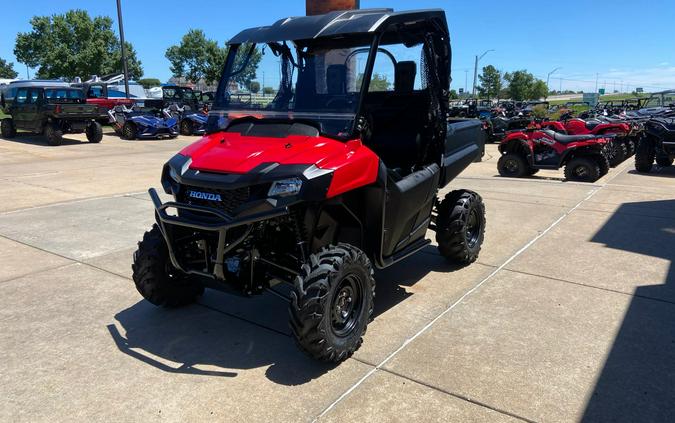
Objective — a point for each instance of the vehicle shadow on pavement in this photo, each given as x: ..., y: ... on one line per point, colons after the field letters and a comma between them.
x: 197, y: 340
x: 393, y: 281
x: 637, y: 382
x: 668, y: 172
x: 41, y: 141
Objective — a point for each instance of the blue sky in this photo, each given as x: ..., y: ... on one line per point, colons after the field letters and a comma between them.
x: 626, y: 43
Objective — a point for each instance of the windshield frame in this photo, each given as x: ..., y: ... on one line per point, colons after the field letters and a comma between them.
x: 220, y: 109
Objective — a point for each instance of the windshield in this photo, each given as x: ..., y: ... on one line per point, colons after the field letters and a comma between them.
x: 660, y: 100
x: 317, y: 82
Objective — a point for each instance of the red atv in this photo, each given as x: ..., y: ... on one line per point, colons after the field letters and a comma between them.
x: 619, y: 149
x: 525, y: 152
x: 322, y: 182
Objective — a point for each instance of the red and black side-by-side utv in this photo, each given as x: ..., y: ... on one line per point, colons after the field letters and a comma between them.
x: 524, y: 153
x: 330, y: 178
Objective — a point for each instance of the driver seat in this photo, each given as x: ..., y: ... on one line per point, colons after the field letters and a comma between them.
x: 566, y: 139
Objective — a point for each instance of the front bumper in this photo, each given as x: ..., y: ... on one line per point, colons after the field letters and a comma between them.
x: 219, y: 223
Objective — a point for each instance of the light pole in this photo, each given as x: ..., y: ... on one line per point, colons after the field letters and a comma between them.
x: 475, y: 71
x: 124, y: 53
x: 548, y: 77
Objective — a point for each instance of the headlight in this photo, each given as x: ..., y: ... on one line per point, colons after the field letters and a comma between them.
x: 285, y: 187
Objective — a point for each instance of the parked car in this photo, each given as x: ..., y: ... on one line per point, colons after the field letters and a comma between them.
x: 324, y: 183
x: 53, y: 112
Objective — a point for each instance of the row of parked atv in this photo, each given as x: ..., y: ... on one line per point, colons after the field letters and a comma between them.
x: 153, y: 123
x: 587, y: 149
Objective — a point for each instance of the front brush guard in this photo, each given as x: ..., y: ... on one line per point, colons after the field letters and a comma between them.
x: 221, y: 224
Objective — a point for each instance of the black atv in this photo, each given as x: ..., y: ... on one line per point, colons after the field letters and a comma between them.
x: 656, y: 144
x: 328, y: 180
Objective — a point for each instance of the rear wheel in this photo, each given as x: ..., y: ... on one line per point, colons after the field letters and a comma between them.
x: 460, y: 226
x: 332, y: 303
x: 582, y: 169
x: 129, y: 131
x: 512, y: 165
x: 186, y: 127
x: 155, y: 277
x: 645, y: 153
x: 7, y: 128
x: 94, y: 132
x: 53, y: 134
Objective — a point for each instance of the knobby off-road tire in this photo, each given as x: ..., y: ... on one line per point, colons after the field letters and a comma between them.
x: 155, y: 277
x: 645, y: 153
x: 53, y: 135
x: 583, y: 169
x: 332, y: 303
x: 186, y: 127
x: 94, y: 132
x: 619, y: 152
x: 129, y: 131
x: 603, y: 164
x: 460, y: 226
x: 512, y: 165
x: 7, y: 128
x: 630, y: 147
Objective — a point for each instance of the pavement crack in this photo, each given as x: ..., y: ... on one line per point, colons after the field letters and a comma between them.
x: 460, y: 396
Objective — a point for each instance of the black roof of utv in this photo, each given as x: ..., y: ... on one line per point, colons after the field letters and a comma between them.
x: 337, y: 23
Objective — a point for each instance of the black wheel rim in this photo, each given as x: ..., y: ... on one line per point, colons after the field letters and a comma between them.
x: 581, y: 171
x: 511, y: 166
x: 186, y: 128
x: 473, y: 228
x: 346, y: 305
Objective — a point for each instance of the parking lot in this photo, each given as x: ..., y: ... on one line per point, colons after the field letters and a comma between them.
x: 567, y: 315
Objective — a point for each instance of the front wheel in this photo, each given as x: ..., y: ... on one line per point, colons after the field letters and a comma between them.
x: 645, y: 153
x: 582, y: 169
x: 155, y: 277
x: 54, y: 135
x: 332, y: 303
x: 94, y: 132
x: 460, y: 226
x: 7, y: 128
x: 512, y: 165
x: 618, y: 152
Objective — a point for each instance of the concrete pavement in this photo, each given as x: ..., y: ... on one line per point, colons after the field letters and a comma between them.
x: 567, y: 316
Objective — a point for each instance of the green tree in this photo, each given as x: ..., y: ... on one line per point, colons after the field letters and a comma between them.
x: 149, y: 82
x: 255, y: 87
x: 7, y: 70
x: 524, y: 86
x: 74, y: 44
x: 377, y: 83
x: 268, y: 90
x: 197, y: 57
x: 538, y: 90
x: 190, y: 58
x: 490, y: 82
x: 453, y: 95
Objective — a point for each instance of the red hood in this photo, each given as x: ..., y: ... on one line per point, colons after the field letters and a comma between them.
x: 353, y: 164
x: 233, y: 153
